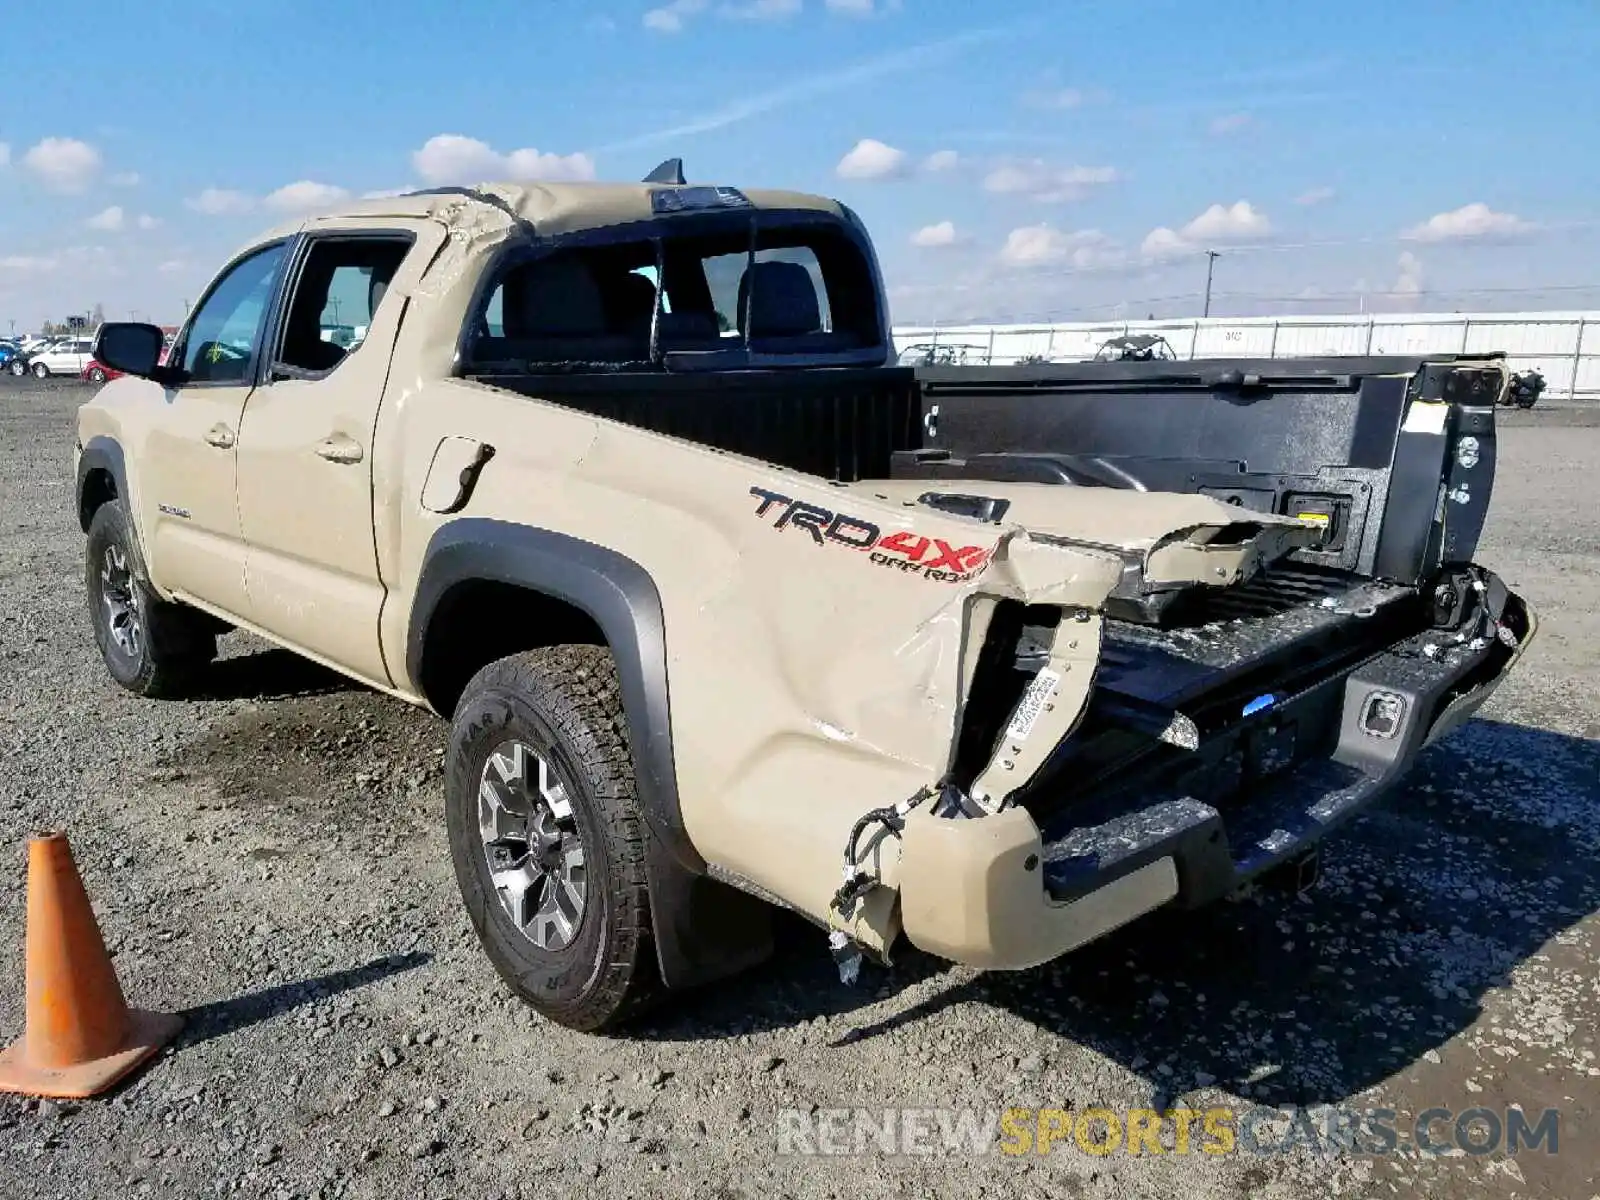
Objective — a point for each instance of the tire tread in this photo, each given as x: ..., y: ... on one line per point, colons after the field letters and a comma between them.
x: 578, y: 691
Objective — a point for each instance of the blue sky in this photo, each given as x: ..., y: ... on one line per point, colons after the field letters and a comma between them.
x: 1014, y: 161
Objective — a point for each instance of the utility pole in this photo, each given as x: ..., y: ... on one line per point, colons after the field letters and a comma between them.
x: 1211, y: 261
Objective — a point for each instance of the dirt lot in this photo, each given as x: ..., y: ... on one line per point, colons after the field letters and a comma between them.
x: 271, y: 860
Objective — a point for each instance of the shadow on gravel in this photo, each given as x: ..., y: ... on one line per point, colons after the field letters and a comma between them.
x: 1483, y: 856
x: 270, y: 675
x: 223, y: 1017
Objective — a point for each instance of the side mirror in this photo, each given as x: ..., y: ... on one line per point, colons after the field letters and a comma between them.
x: 130, y: 347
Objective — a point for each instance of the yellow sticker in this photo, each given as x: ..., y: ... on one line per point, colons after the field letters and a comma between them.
x: 1317, y: 518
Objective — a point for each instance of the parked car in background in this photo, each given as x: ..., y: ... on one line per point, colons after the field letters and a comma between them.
x: 70, y: 356
x: 25, y: 351
x: 8, y: 351
x: 98, y: 372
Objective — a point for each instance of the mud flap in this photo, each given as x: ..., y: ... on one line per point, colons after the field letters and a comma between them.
x: 705, y: 929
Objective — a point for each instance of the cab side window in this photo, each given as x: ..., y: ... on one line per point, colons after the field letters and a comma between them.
x: 336, y: 295
x: 223, y: 337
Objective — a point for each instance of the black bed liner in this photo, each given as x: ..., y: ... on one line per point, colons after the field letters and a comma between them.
x: 1328, y: 436
x: 842, y: 424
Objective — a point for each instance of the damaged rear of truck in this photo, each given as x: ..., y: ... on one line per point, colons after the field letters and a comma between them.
x: 1265, y: 659
x: 995, y: 660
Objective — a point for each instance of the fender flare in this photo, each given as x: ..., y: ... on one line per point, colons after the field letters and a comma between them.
x: 704, y: 929
x: 102, y: 453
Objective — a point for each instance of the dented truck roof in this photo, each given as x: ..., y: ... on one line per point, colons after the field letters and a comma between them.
x: 558, y: 208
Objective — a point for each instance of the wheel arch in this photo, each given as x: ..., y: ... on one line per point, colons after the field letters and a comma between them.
x: 102, y: 477
x: 704, y: 929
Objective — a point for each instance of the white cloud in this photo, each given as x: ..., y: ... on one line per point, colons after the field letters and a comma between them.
x: 1469, y: 221
x: 1063, y: 98
x: 860, y: 8
x: 872, y: 159
x: 1055, y: 98
x: 110, y: 219
x: 673, y: 16
x: 942, y: 233
x: 27, y: 264
x: 762, y: 10
x: 1221, y: 223
x: 1316, y: 195
x: 217, y: 202
x: 305, y: 195
x: 114, y: 219
x: 1230, y: 123
x: 669, y: 18
x: 942, y: 160
x: 5, y: 155
x: 1409, y: 285
x: 1236, y: 222
x: 1038, y: 180
x: 172, y: 266
x: 1044, y: 245
x: 1162, y: 242
x: 125, y: 179
x: 63, y: 164
x: 451, y: 158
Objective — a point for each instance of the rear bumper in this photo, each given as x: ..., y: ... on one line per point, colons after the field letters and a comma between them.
x: 995, y: 892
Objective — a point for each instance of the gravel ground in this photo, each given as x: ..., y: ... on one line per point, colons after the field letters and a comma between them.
x: 270, y: 859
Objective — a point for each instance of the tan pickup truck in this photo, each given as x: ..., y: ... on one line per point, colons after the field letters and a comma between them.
x: 622, y: 480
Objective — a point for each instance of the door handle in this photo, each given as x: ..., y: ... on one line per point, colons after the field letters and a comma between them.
x: 340, y: 449
x: 220, y: 436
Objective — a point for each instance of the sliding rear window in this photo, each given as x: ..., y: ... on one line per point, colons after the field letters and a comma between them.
x: 683, y: 292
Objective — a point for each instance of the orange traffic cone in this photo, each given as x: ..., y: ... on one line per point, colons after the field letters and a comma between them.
x: 81, y: 1035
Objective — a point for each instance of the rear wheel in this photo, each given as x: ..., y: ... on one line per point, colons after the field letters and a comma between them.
x: 546, y: 837
x: 97, y: 375
x: 18, y: 367
x: 150, y: 646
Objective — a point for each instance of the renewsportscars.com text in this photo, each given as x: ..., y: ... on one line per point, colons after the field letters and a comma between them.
x: 1216, y: 1130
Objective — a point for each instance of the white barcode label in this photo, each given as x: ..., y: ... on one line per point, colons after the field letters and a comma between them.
x: 1425, y: 417
x: 1039, y: 694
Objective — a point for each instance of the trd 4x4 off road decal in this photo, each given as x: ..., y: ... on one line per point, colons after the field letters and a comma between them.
x: 932, y: 558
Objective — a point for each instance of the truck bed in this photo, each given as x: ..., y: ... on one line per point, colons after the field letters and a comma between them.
x: 1339, y: 438
x: 842, y: 424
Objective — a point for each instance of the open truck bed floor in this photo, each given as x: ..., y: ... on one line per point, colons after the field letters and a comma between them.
x: 1288, y: 729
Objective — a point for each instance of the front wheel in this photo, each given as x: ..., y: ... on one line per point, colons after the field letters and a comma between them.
x: 546, y: 837
x: 18, y: 367
x: 40, y: 371
x: 150, y: 646
x: 97, y: 375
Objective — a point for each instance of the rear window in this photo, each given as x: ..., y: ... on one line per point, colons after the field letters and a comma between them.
x: 681, y: 294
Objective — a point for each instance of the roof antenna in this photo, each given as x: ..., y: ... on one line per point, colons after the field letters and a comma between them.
x: 670, y: 171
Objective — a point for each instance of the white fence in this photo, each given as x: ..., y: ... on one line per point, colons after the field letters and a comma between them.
x: 1563, y: 347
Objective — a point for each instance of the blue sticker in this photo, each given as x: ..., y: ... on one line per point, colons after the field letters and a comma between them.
x: 1259, y: 703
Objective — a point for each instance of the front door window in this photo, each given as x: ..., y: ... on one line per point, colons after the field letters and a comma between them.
x: 225, y: 333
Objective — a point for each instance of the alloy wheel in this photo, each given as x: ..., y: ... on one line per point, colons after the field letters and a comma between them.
x: 120, y: 601
x: 532, y: 845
